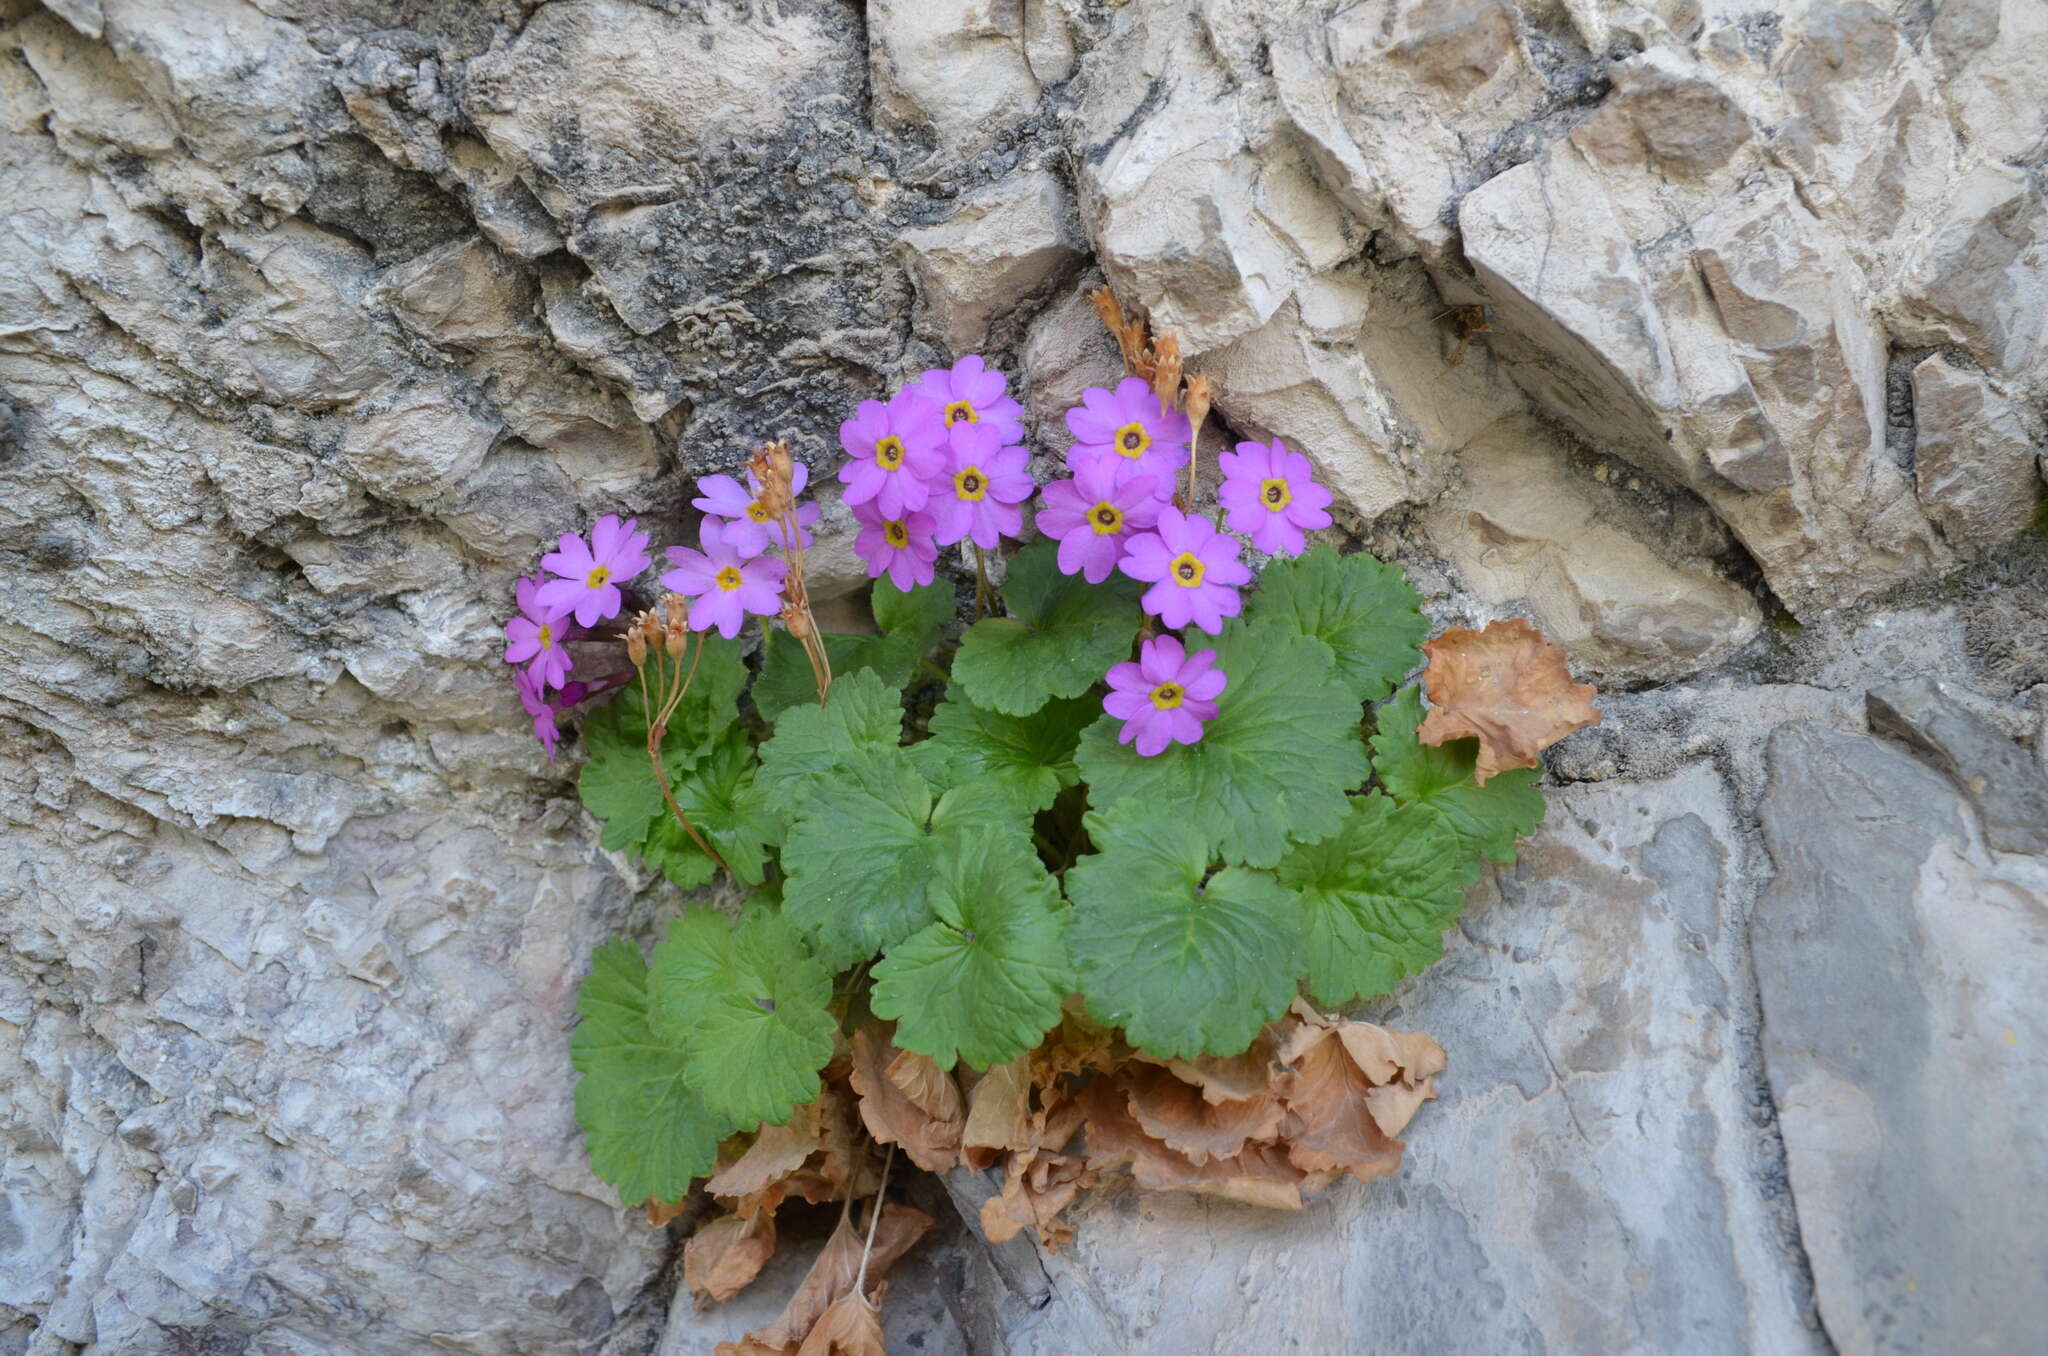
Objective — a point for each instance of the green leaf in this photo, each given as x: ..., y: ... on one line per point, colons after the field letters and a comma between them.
x: 909, y: 623
x: 1437, y: 782
x: 647, y: 1130
x: 1366, y: 611
x: 1185, y: 967
x: 1028, y: 758
x: 1377, y: 897
x: 1274, y: 765
x: 720, y: 797
x: 863, y: 713
x: 857, y: 857
x: 1061, y: 636
x: 749, y: 1006
x: 617, y: 782
x: 984, y: 982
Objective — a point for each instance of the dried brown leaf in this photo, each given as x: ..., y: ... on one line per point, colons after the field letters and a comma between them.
x: 723, y: 1258
x: 1231, y: 1078
x: 777, y: 1151
x: 849, y: 1327
x: 1505, y: 686
x: 893, y: 1115
x: 660, y: 1213
x: 1079, y: 1044
x: 1259, y: 1174
x: 1034, y: 1193
x: 1333, y: 1126
x: 831, y: 1276
x: 1177, y: 1115
x: 998, y: 1113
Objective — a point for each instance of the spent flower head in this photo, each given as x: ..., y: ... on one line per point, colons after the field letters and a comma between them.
x: 1131, y: 430
x: 1166, y: 697
x: 752, y: 518
x: 589, y: 573
x: 534, y: 698
x: 971, y: 392
x: 903, y: 548
x: 539, y: 637
x: 725, y: 584
x: 896, y: 449
x: 1093, y: 517
x: 1193, y: 569
x: 978, y: 493
x: 1270, y: 495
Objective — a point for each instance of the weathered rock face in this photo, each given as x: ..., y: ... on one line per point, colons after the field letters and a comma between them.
x: 318, y: 318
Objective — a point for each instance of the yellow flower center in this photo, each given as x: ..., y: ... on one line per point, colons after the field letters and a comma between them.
x: 961, y: 412
x: 729, y: 578
x: 1106, y: 518
x: 1187, y: 571
x: 758, y: 511
x: 1167, y: 696
x: 599, y: 577
x: 1275, y: 495
x: 971, y: 484
x: 547, y: 636
x: 1132, y: 440
x: 889, y: 453
x: 896, y: 534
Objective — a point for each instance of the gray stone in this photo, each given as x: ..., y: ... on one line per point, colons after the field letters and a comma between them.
x: 956, y: 73
x: 1898, y: 963
x: 2009, y: 793
x: 1005, y: 244
x: 1973, y: 458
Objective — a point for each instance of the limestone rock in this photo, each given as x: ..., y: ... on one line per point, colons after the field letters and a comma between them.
x: 2008, y: 792
x: 416, y: 443
x: 1973, y: 458
x: 956, y: 72
x: 1898, y: 961
x: 996, y: 249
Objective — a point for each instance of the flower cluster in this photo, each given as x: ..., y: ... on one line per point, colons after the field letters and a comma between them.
x: 940, y: 462
x: 579, y: 586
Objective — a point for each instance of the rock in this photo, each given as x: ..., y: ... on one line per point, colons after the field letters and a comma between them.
x: 1525, y: 528
x: 1597, y: 1021
x: 956, y: 73
x: 2008, y: 792
x: 463, y: 295
x: 414, y: 444
x: 1066, y: 351
x: 1896, y: 960
x: 1981, y: 280
x: 1973, y: 458
x: 998, y: 248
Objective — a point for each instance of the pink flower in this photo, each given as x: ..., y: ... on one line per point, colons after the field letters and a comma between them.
x: 1165, y: 697
x: 895, y: 448
x: 1194, y: 569
x: 1094, y: 517
x: 749, y: 528
x: 903, y: 547
x: 968, y: 392
x: 723, y: 583
x: 537, y: 636
x: 1270, y: 495
x: 1130, y: 428
x: 978, y: 493
x: 590, y: 575
x: 532, y: 697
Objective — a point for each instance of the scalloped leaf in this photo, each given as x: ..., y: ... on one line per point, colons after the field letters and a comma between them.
x: 720, y: 797
x: 1273, y: 767
x: 1364, y: 609
x: 863, y: 714
x: 983, y: 982
x: 647, y: 1131
x: 1377, y: 896
x: 617, y: 782
x: 1061, y: 636
x: 1028, y: 758
x: 909, y: 625
x: 1186, y: 966
x: 1438, y: 782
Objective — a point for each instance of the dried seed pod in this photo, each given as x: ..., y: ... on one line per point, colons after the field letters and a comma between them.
x: 636, y: 647
x: 1166, y: 375
x: 1198, y: 396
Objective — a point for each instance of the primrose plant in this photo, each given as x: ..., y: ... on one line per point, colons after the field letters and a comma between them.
x: 1132, y: 787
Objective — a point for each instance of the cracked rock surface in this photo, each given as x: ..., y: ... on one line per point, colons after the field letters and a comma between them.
x: 1708, y: 336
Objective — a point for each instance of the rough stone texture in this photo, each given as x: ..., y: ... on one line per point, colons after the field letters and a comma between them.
x: 318, y: 318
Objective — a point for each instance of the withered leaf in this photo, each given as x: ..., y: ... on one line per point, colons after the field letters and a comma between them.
x: 998, y: 1113
x: 1259, y: 1174
x: 1034, y: 1193
x: 850, y: 1327
x: 1327, y: 1093
x: 1176, y: 1114
x: 1506, y: 686
x: 724, y: 1256
x: 777, y: 1151
x: 1231, y: 1078
x: 831, y: 1277
x: 893, y: 1115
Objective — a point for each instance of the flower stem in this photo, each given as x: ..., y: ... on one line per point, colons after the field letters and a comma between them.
x: 657, y: 734
x: 860, y: 1280
x: 982, y: 603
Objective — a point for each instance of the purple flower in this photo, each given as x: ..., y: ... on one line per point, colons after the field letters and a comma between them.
x: 723, y: 583
x: 978, y: 493
x: 534, y: 699
x: 1165, y: 697
x: 969, y: 393
x: 1094, y: 517
x: 590, y: 575
x: 903, y: 547
x: 1131, y: 429
x: 1194, y: 571
x: 1270, y: 495
x: 895, y: 448
x: 749, y: 528
x: 538, y: 636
